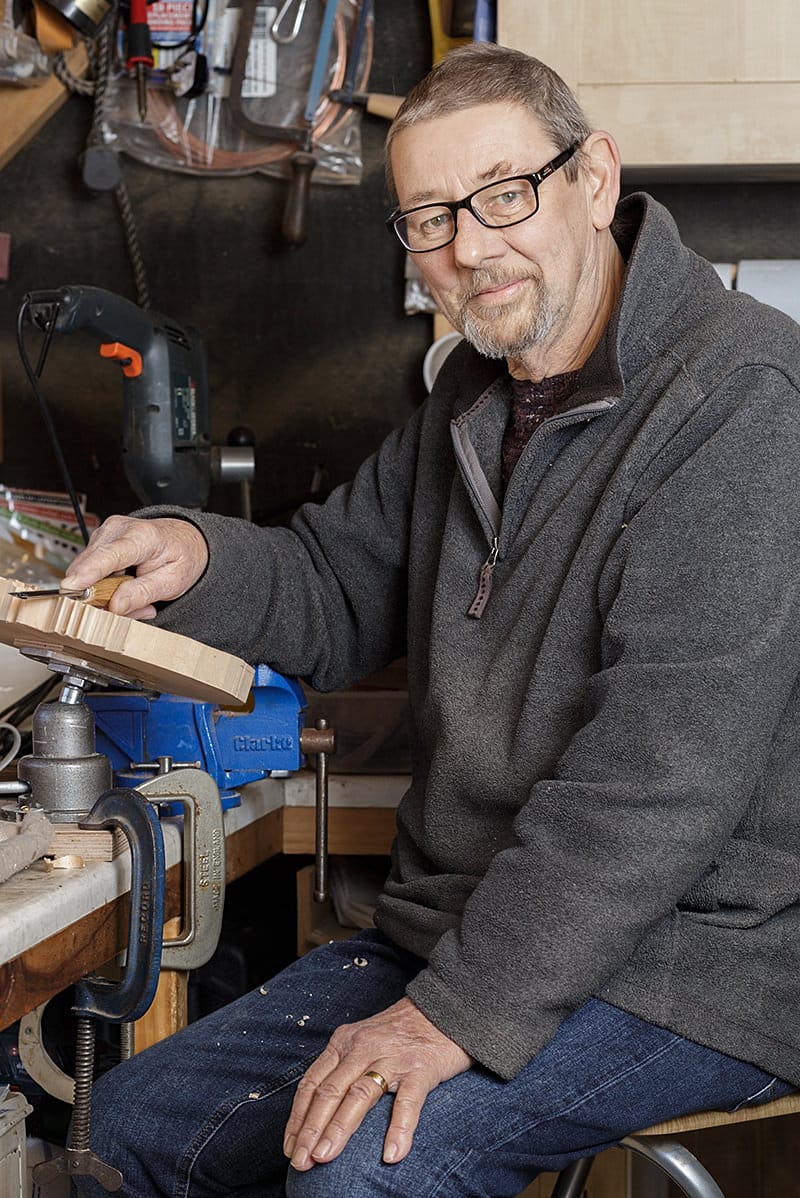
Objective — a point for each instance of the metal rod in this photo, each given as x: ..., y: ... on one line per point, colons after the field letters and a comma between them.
x: 14, y: 788
x: 321, y: 838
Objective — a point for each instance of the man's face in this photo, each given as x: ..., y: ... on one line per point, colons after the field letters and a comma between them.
x: 513, y: 290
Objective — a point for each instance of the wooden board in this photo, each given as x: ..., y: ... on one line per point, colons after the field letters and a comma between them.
x: 121, y: 649
x: 354, y: 830
x: 711, y: 84
x: 91, y: 845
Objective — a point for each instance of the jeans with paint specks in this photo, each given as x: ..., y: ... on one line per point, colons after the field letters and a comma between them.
x: 203, y: 1112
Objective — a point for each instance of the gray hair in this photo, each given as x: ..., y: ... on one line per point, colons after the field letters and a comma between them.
x: 483, y: 73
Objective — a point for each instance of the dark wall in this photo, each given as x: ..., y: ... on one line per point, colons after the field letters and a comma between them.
x: 310, y: 347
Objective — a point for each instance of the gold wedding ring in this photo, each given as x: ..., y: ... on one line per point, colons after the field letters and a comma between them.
x: 378, y: 1079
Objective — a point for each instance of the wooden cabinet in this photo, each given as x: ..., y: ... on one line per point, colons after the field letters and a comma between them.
x: 689, y: 88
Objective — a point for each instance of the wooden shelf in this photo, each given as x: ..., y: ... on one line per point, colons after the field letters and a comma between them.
x: 23, y: 110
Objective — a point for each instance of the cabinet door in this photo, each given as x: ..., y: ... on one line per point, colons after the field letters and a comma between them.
x: 685, y: 86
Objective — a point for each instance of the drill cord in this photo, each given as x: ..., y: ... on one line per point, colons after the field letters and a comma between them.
x: 33, y: 379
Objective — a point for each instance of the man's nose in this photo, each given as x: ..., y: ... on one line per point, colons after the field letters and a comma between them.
x: 474, y: 242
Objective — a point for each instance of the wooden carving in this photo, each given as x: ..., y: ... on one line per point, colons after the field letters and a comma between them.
x: 121, y: 649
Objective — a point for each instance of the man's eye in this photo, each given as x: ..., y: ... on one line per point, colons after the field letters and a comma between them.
x: 508, y: 197
x: 435, y: 224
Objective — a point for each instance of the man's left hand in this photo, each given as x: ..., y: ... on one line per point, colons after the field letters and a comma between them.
x: 402, y: 1046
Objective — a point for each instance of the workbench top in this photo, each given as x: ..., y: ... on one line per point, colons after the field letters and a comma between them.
x: 344, y: 790
x: 41, y: 901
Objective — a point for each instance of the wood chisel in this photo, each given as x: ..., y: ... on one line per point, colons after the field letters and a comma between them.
x: 97, y: 595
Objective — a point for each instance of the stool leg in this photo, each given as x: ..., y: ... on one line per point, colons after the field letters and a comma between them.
x: 570, y: 1181
x: 677, y: 1162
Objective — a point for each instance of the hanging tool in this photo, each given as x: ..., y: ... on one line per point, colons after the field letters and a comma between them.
x: 140, y: 60
x: 344, y: 94
x: 295, y: 215
x: 97, y: 595
x: 284, y: 39
x: 375, y: 103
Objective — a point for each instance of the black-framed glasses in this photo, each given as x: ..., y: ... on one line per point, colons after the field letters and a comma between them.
x: 496, y: 205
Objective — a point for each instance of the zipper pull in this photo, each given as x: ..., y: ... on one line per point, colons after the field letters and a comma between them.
x: 478, y: 605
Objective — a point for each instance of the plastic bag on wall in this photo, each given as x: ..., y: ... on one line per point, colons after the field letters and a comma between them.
x: 204, y: 134
x: 22, y: 61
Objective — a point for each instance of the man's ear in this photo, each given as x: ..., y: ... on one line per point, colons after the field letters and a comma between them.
x: 601, y: 169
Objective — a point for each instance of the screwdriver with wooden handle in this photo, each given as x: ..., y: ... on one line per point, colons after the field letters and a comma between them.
x: 97, y: 595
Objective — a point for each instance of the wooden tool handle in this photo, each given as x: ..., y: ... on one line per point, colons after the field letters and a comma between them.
x: 379, y: 104
x: 295, y: 214
x: 100, y: 594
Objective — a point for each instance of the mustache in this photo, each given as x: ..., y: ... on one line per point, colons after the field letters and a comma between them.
x: 484, y: 279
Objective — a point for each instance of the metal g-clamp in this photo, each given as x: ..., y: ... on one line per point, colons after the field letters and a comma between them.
x: 203, y: 863
x: 128, y: 999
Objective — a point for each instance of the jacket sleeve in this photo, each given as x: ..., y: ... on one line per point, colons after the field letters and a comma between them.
x: 699, y: 656
x: 324, y: 599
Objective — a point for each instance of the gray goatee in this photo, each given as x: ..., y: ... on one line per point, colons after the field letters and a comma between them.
x: 480, y: 327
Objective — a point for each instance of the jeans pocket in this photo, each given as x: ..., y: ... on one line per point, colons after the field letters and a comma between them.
x: 776, y: 1087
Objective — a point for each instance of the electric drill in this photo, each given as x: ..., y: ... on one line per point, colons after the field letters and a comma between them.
x: 167, y: 453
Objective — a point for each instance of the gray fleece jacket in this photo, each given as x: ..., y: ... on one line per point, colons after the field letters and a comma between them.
x: 606, y: 752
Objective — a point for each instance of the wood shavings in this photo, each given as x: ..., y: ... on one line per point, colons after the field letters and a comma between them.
x: 21, y: 844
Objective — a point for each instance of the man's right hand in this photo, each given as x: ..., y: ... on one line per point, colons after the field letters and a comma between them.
x: 169, y: 555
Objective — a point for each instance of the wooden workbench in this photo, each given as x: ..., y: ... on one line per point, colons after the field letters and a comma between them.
x: 58, y: 925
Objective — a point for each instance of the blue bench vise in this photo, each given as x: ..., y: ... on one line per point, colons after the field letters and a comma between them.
x: 137, y: 730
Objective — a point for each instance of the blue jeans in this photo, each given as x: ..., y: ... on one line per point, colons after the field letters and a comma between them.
x: 203, y: 1112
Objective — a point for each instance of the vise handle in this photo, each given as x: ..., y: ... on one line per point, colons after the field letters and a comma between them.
x: 319, y: 742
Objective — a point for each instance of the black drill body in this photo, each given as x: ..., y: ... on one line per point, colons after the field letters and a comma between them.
x: 166, y: 440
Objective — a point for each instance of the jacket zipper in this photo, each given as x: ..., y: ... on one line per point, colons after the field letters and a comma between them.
x: 483, y: 593
x: 478, y: 605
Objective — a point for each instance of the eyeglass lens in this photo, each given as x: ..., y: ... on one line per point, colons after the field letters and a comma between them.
x: 506, y: 202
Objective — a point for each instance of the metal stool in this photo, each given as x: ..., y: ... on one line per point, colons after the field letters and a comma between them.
x: 658, y: 1145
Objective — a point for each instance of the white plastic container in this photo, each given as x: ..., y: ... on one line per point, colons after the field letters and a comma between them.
x: 436, y: 355
x: 13, y: 1162
x: 18, y: 675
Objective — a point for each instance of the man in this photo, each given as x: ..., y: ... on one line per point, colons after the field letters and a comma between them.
x: 586, y: 544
